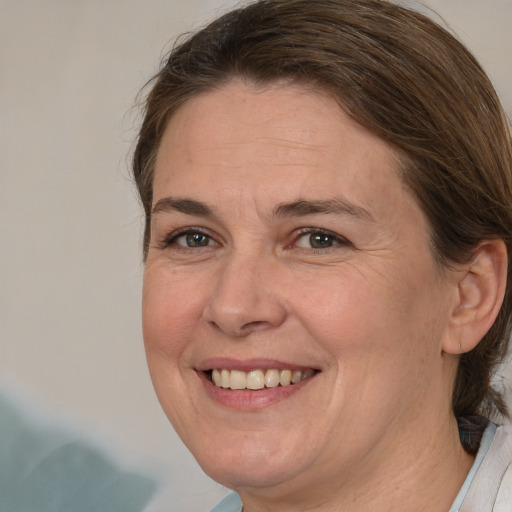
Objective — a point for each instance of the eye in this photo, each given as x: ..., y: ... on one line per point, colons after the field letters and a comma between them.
x: 189, y: 239
x: 319, y: 239
x: 193, y: 240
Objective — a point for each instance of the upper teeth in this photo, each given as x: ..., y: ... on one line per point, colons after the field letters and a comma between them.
x: 258, y: 379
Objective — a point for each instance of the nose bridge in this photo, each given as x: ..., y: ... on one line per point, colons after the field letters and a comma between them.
x: 244, y: 298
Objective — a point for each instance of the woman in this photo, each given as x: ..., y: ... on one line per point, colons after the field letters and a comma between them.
x: 328, y: 195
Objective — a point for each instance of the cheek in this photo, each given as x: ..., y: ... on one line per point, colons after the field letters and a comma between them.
x: 385, y: 338
x: 170, y: 310
x: 369, y: 317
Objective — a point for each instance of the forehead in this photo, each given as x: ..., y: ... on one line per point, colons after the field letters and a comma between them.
x: 260, y: 146
x: 241, y: 127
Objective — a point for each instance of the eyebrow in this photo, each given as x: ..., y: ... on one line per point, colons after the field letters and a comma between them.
x: 299, y: 208
x: 187, y: 206
x: 338, y: 206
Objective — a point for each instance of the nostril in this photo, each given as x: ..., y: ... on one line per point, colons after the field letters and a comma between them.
x: 240, y: 330
x: 255, y: 325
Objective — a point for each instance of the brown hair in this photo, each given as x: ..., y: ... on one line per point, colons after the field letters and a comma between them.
x: 407, y: 80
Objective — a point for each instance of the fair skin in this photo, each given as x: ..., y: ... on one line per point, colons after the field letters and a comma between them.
x: 283, y: 239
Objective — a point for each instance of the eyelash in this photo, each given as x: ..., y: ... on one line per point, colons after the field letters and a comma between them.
x: 334, y: 239
x: 183, y: 232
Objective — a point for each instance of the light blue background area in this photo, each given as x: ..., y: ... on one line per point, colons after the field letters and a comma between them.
x: 45, y: 467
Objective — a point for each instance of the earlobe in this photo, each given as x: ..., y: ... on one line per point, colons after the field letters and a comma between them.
x: 480, y: 293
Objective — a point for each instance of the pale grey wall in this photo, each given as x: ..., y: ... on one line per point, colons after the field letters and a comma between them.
x: 70, y: 224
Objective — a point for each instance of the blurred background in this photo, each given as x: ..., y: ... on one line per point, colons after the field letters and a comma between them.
x: 70, y: 253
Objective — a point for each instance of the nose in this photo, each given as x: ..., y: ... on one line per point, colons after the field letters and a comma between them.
x: 246, y: 297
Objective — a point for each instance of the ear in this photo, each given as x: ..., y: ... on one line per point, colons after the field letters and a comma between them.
x: 480, y: 292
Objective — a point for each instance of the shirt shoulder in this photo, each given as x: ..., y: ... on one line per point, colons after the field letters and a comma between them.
x: 491, y: 489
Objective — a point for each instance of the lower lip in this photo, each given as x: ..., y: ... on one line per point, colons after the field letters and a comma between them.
x: 249, y: 400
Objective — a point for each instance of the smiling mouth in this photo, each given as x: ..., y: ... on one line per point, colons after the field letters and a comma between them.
x: 257, y: 379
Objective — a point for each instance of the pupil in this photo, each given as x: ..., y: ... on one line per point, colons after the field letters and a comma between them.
x: 197, y: 240
x: 319, y: 241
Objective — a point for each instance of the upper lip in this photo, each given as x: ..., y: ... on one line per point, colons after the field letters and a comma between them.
x: 247, y: 365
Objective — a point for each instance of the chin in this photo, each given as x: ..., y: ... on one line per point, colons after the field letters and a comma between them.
x: 253, y: 463
x: 247, y: 473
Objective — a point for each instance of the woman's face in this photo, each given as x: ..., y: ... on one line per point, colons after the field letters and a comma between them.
x: 284, y: 245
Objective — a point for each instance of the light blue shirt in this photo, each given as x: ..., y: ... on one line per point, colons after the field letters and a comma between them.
x: 485, y: 443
